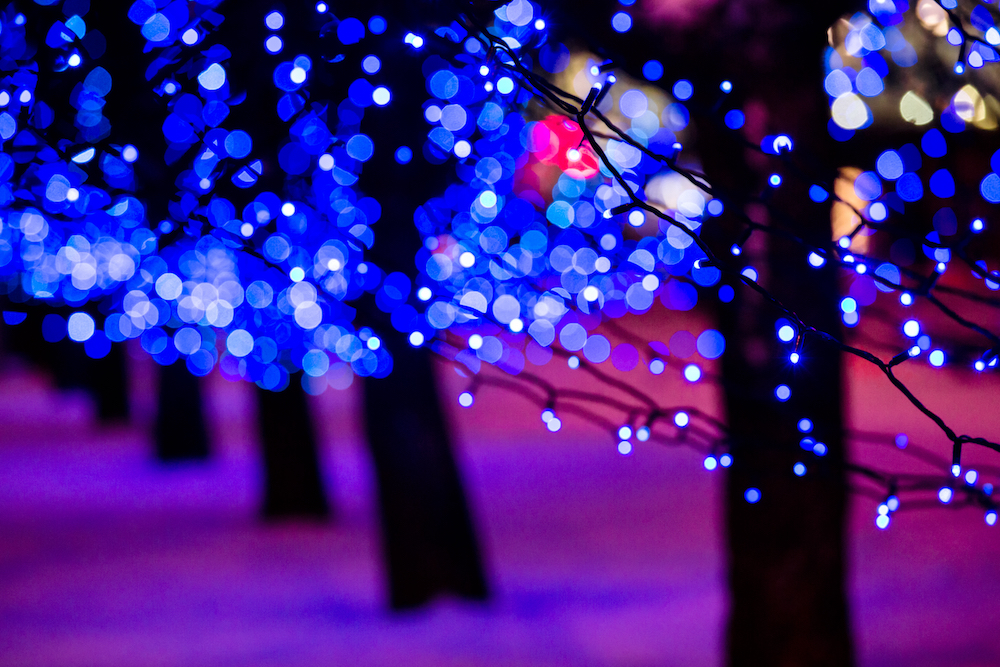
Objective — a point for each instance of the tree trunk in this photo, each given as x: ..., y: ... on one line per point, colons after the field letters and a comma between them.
x: 179, y: 433
x: 293, y: 485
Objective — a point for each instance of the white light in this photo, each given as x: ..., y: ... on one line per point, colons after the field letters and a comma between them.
x: 298, y: 75
x: 636, y: 218
x: 624, y: 448
x: 971, y: 477
x: 72, y: 194
x: 991, y: 518
x: 80, y: 327
x: 945, y: 494
x: 553, y: 424
x: 882, y: 521
x: 467, y: 259
x: 475, y: 341
x: 416, y: 339
x: 816, y: 260
x: 692, y: 373
x: 374, y: 343
x: 591, y: 293
x: 573, y: 155
x: 274, y: 20
x: 334, y: 264
x: 326, y: 162
x: 625, y: 432
x: 786, y: 333
x: 273, y: 44
x: 906, y: 299
x: 650, y: 283
x: 246, y: 229
x: 25, y: 96
x: 297, y: 274
x: 711, y: 463
x: 321, y: 7
x: 516, y: 325
x: 381, y: 96
x: 911, y: 328
x: 130, y: 153
x: 190, y: 36
x: 681, y: 419
x: 465, y: 399
x: 424, y: 294
x: 463, y: 148
x: 74, y: 60
x: 794, y: 357
x: 539, y: 24
x: 288, y: 209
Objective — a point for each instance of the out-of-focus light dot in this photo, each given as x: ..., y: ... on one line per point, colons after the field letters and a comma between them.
x: 373, y: 343
x: 321, y: 8
x: 650, y: 283
x: 936, y: 358
x: 273, y: 44
x: 463, y: 148
x: 816, y: 260
x: 404, y: 154
x: 642, y: 434
x: 656, y: 366
x: 945, y: 494
x: 805, y: 425
x: 80, y: 327
x: 882, y: 521
x: 978, y: 225
x: 573, y: 362
x: 72, y: 194
x: 288, y: 209
x: 625, y: 432
x: 488, y: 86
x: 799, y: 469
x: 591, y: 293
x: 636, y: 218
x: 547, y: 414
x: 553, y: 424
x: 851, y: 319
x: 334, y: 264
x: 752, y: 495
x: 274, y: 20
x: 505, y: 85
x: 819, y: 449
x: 786, y: 333
x: 848, y: 305
x: 240, y: 343
x: 467, y: 259
x: 775, y: 180
x: 424, y: 294
x: 911, y: 328
x: 516, y: 325
x: 736, y: 250
x: 794, y: 357
x: 980, y: 365
x: 539, y: 24
x: 906, y: 299
x: 692, y: 373
x: 624, y: 448
x: 914, y: 351
x: 416, y: 41
x: 749, y: 273
x: 861, y: 269
x: 326, y: 162
x: 74, y: 60
x: 297, y: 75
x: 381, y: 96
x: 683, y: 90
x: 297, y: 274
x: 190, y: 36
x: 726, y: 86
x: 170, y: 87
x: 475, y: 341
x: 725, y: 460
x: 484, y: 70
x: 877, y: 211
x: 782, y: 143
x: 205, y: 184
x: 844, y: 242
x: 711, y: 463
x: 956, y: 470
x: 573, y: 155
x: 465, y: 399
x: 681, y: 419
x: 488, y: 198
x: 991, y: 518
x: 130, y: 153
x: 25, y: 96
x: 246, y: 229
x: 621, y: 22
x: 971, y: 476
x: 783, y: 392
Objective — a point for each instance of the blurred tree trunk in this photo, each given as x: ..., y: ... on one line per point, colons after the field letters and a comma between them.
x: 293, y: 484
x: 179, y: 432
